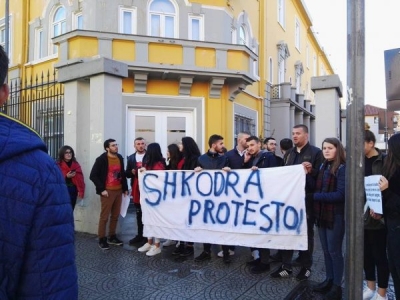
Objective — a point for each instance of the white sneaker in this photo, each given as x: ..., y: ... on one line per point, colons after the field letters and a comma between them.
x: 255, y: 254
x: 153, y: 251
x: 146, y: 247
x: 379, y: 297
x: 368, y: 293
x: 168, y: 243
x: 221, y: 253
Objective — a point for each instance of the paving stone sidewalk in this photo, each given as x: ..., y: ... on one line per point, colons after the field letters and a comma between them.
x: 124, y: 273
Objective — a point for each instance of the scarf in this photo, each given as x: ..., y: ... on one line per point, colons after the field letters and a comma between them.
x: 326, y: 182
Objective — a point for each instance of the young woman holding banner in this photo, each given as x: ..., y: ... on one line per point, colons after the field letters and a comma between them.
x: 329, y: 202
x: 152, y: 160
x: 390, y: 187
x: 191, y: 153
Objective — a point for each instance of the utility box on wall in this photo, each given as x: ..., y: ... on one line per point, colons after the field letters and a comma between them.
x: 392, y: 78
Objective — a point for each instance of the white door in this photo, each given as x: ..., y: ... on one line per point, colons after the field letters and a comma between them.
x: 161, y: 126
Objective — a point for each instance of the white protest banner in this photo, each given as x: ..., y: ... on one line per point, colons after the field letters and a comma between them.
x: 373, y: 193
x: 263, y: 208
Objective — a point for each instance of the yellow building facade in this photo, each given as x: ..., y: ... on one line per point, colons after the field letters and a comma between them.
x: 164, y: 69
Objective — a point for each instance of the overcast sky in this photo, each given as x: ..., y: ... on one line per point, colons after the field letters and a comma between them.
x: 382, y: 32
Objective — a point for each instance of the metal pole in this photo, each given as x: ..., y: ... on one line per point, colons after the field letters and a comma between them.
x: 355, y: 149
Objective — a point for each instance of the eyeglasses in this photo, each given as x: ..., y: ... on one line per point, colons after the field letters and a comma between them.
x: 114, y: 145
x: 68, y: 152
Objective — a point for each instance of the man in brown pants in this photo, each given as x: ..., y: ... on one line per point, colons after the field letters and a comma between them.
x: 109, y: 178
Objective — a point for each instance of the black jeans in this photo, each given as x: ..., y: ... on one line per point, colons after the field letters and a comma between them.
x: 306, y: 255
x: 393, y: 249
x: 207, y: 248
x: 375, y: 257
x: 139, y: 219
x: 73, y: 194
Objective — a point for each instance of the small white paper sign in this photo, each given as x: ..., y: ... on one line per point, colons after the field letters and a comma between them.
x: 373, y: 193
x: 124, y: 205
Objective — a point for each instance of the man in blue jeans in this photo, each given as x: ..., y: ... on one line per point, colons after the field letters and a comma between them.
x: 311, y: 158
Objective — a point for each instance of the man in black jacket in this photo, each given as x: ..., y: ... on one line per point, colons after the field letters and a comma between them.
x: 311, y: 158
x: 214, y: 159
x: 109, y: 178
x: 256, y: 158
x: 133, y: 165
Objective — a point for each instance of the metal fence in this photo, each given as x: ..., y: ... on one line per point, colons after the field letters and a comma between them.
x: 39, y: 103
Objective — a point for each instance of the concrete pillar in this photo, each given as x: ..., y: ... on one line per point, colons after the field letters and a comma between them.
x: 299, y: 118
x: 280, y: 110
x: 328, y: 90
x: 292, y: 118
x: 312, y: 133
x: 92, y: 114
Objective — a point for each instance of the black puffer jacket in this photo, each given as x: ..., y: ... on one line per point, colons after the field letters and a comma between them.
x: 212, y: 161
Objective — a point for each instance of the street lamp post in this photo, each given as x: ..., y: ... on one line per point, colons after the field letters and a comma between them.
x: 355, y: 149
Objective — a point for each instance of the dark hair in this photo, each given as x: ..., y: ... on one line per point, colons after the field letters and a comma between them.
x: 213, y: 139
x: 304, y: 127
x: 340, y: 157
x: 253, y: 138
x: 286, y: 144
x: 268, y: 138
x: 191, y: 153
x: 153, y: 155
x: 175, y: 156
x: 369, y: 136
x: 392, y: 160
x: 61, y: 153
x: 3, y: 65
x: 107, y: 143
x: 139, y: 138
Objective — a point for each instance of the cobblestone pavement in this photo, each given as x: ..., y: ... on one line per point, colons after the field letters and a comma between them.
x: 124, y: 273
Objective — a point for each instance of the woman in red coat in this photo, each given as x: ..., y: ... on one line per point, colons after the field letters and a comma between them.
x: 152, y: 160
x: 72, y: 173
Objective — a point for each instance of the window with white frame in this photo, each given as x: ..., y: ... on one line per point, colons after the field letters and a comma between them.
x: 281, y: 12
x: 196, y: 28
x: 244, y: 124
x: 163, y: 19
x: 243, y: 35
x: 283, y: 54
x: 127, y: 20
x: 78, y: 21
x: 3, y: 38
x: 58, y: 25
x: 297, y: 33
x: 39, y: 43
x: 271, y: 71
x: 298, y: 72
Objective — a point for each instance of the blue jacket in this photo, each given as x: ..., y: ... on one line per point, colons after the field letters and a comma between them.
x: 37, y: 255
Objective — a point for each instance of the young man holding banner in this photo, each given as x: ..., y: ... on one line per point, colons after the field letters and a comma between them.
x: 214, y: 159
x: 311, y: 158
x: 257, y: 158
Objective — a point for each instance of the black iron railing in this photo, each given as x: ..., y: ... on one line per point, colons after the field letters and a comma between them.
x: 39, y: 103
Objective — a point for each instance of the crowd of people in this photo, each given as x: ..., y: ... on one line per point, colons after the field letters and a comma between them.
x: 37, y: 252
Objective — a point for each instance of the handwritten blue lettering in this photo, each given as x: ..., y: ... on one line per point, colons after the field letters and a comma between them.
x: 257, y: 183
x: 194, y: 210
x: 170, y: 183
x: 221, y: 207
x: 248, y: 209
x: 150, y: 190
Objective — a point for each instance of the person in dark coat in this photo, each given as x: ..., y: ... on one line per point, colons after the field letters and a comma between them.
x: 37, y: 253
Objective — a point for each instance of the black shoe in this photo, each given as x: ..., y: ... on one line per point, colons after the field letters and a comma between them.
x: 188, y: 251
x: 113, y: 240
x: 253, y: 263
x: 103, y: 244
x: 276, y: 257
x: 323, y: 287
x: 136, y: 239
x: 203, y: 256
x: 226, y: 258
x: 304, y: 274
x: 335, y: 293
x: 260, y: 268
x: 179, y: 250
x: 281, y: 273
